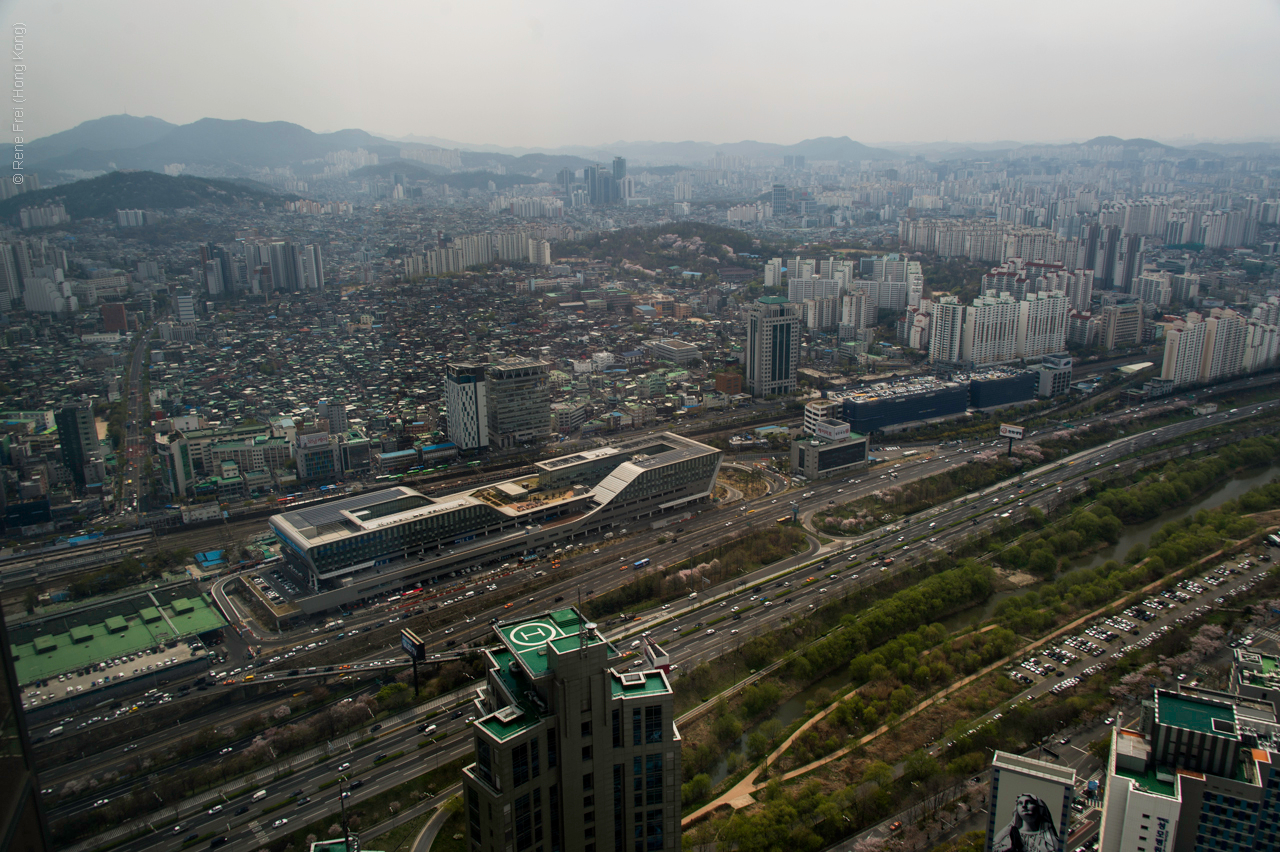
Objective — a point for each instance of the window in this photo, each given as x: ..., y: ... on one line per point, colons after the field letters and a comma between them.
x: 586, y: 752
x: 588, y: 781
x: 653, y: 724
x: 533, y: 757
x: 589, y: 817
x: 617, y: 807
x: 617, y: 729
x: 551, y: 748
x: 653, y: 830
x: 586, y: 728
x: 483, y: 760
x: 653, y: 779
x: 473, y: 811
x: 520, y: 764
x: 554, y: 801
x: 635, y: 726
x: 588, y: 801
x: 524, y: 823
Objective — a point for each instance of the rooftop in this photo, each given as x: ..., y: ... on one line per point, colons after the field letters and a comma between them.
x: 1201, y: 716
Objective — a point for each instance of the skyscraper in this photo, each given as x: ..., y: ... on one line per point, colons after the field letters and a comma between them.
x: 946, y: 331
x: 467, y: 406
x: 619, y: 168
x: 79, y: 438
x: 773, y: 346
x: 286, y: 266
x: 990, y: 331
x: 519, y: 401
x: 572, y: 753
x: 22, y: 821
x: 778, y: 198
x: 312, y: 268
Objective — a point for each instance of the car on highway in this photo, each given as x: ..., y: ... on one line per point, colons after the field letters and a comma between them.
x: 213, y: 810
x: 101, y: 803
x: 344, y: 767
x: 280, y: 823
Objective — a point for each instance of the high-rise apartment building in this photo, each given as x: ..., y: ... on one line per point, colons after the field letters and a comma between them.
x: 778, y: 199
x: 518, y: 395
x: 1042, y: 325
x: 990, y: 331
x: 773, y: 346
x: 946, y: 331
x: 1184, y: 352
x: 573, y: 753
x: 773, y: 273
x: 312, y: 268
x: 1224, y: 345
x: 466, y: 405
x: 79, y: 438
x: 286, y: 267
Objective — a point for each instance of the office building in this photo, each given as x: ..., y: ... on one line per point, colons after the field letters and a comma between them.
x: 1120, y: 325
x: 518, y: 395
x: 363, y: 545
x: 574, y: 750
x: 184, y: 304
x: 466, y: 406
x: 1030, y: 804
x: 619, y: 168
x: 676, y: 351
x: 816, y: 410
x: 831, y: 450
x: 1054, y: 375
x: 1201, y: 773
x: 778, y: 200
x: 78, y: 435
x: 773, y: 347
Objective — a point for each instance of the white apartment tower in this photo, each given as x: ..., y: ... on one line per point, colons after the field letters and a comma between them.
x: 990, y: 331
x: 946, y: 331
x: 1184, y: 351
x: 1042, y: 325
x: 466, y: 406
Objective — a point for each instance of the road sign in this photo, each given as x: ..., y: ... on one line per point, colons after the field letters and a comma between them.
x: 412, y: 645
x: 1007, y: 431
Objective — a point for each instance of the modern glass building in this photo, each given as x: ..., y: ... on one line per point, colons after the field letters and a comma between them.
x: 357, y: 547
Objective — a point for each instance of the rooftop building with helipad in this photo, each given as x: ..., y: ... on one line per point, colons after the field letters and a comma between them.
x: 572, y: 736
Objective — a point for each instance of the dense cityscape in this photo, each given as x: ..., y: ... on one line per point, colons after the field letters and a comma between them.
x: 368, y: 490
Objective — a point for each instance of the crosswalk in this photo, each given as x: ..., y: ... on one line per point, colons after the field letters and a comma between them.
x: 259, y: 834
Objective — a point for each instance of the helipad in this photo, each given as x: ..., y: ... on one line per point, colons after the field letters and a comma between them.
x: 528, y: 639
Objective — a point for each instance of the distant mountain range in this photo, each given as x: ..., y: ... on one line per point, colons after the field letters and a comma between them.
x: 219, y: 148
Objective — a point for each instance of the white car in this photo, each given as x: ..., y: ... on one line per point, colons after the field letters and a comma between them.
x: 213, y: 810
x: 283, y: 821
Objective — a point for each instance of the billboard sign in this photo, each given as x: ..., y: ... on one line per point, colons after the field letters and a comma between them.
x: 1007, y: 431
x: 1029, y: 808
x: 412, y: 645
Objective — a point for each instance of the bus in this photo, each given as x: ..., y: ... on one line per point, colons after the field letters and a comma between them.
x: 473, y: 463
x: 641, y: 563
x: 785, y: 519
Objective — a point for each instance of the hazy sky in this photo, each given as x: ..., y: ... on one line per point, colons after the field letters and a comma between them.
x: 558, y: 72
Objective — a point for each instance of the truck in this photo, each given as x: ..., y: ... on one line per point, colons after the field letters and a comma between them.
x: 259, y: 796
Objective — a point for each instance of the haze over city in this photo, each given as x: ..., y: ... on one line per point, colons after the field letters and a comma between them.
x: 580, y: 427
x: 574, y: 73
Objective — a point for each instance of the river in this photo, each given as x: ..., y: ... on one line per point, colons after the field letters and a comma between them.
x: 1134, y: 534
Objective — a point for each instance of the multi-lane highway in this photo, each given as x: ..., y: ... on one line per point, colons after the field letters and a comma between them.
x: 778, y: 591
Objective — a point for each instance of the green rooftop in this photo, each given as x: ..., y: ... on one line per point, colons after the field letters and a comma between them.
x: 1199, y: 716
x: 528, y: 639
x: 1147, y: 781
x: 639, y: 685
x: 49, y: 646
